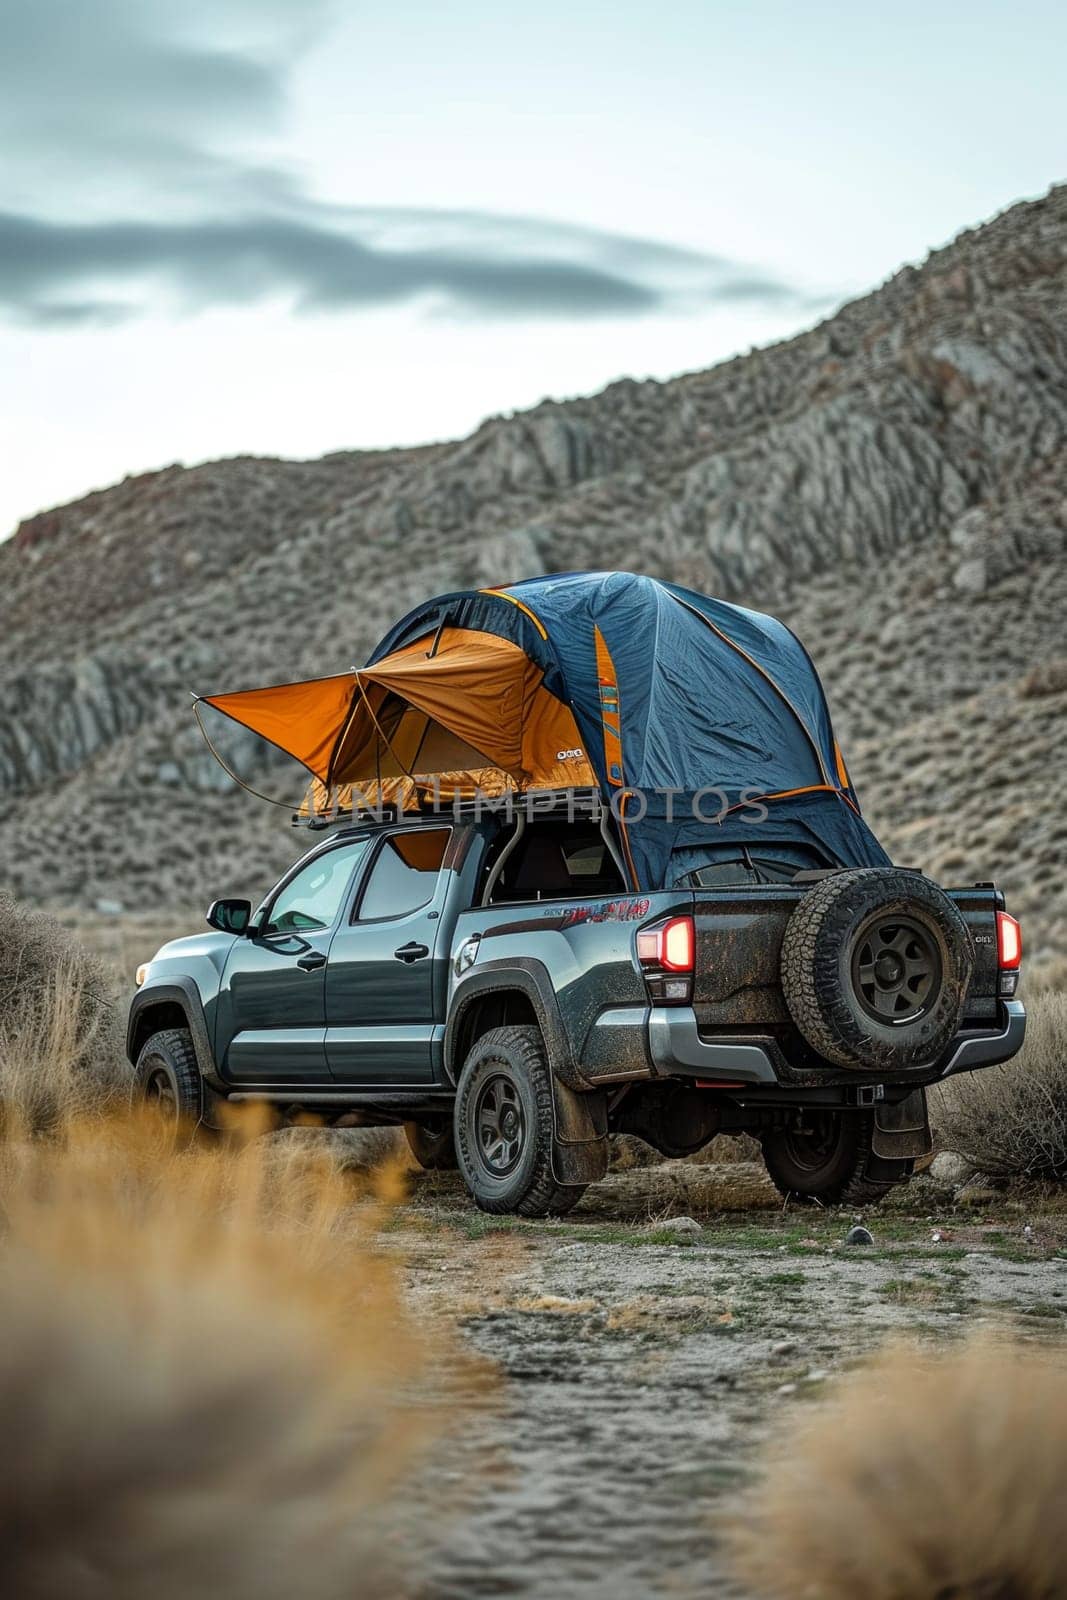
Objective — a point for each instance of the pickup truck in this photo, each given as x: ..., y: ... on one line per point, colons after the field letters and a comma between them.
x: 489, y: 982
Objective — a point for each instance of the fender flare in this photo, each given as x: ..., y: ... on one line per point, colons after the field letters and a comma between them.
x: 182, y: 992
x: 529, y: 978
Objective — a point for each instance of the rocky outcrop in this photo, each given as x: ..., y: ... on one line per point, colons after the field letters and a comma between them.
x: 54, y: 721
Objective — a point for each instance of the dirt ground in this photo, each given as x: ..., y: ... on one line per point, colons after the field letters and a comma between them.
x: 645, y: 1361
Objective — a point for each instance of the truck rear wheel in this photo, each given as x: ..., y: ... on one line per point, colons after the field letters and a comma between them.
x: 504, y: 1129
x: 828, y: 1159
x: 433, y: 1148
x: 875, y: 968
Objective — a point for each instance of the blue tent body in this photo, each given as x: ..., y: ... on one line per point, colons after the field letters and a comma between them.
x: 696, y: 714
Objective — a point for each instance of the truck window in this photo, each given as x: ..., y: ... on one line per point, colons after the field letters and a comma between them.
x: 313, y: 897
x: 404, y: 874
x: 557, y: 861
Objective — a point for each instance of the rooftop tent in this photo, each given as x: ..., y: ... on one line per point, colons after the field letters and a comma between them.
x: 649, y: 692
x: 465, y: 707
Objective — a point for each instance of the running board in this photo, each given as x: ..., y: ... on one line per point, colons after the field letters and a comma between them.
x: 343, y: 1097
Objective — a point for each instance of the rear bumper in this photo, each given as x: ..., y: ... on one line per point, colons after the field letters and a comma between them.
x: 987, y: 1049
x: 677, y: 1048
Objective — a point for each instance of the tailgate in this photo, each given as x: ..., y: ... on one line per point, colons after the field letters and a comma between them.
x: 738, y: 949
x: 739, y: 935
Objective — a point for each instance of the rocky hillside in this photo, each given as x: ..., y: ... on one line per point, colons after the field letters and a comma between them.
x: 893, y: 483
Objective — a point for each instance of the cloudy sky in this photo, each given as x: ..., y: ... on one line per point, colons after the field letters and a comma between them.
x: 292, y: 226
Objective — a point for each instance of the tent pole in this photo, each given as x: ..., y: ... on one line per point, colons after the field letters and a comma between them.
x: 286, y: 805
x: 432, y: 651
x: 384, y: 736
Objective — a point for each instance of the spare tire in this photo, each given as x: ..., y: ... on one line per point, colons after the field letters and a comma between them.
x: 875, y: 967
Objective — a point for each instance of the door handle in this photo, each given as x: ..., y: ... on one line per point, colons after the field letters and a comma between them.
x: 311, y: 961
x: 412, y: 952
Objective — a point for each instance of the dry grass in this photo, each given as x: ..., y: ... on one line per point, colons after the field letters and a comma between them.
x: 1048, y: 973
x: 208, y: 1384
x: 925, y: 1478
x: 1011, y: 1121
x: 61, y: 1049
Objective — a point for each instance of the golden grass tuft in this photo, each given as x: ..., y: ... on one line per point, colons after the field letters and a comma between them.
x: 208, y: 1383
x: 925, y: 1478
x: 61, y: 1047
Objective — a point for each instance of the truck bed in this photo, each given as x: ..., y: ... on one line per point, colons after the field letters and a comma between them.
x: 588, y: 948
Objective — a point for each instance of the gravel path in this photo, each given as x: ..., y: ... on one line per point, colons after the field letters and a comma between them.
x: 641, y: 1376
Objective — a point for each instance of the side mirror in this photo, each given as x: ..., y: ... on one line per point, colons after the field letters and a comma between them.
x: 230, y: 916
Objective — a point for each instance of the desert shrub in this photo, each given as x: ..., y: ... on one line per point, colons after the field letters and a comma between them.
x: 1050, y: 677
x: 726, y: 1149
x: 61, y: 1047
x: 1011, y: 1121
x: 924, y: 1478
x: 208, y: 1384
x: 627, y: 1152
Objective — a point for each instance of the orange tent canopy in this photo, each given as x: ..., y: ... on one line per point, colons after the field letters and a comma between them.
x: 448, y: 705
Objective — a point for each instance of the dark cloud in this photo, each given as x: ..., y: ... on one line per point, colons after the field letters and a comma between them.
x: 69, y: 272
x: 73, y: 314
x: 132, y: 119
x: 43, y: 264
x: 152, y: 61
x: 66, y: 61
x: 105, y: 101
x: 752, y: 286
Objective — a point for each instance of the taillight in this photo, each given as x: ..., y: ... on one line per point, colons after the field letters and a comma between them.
x: 1009, y: 953
x: 665, y: 953
x: 669, y: 945
x: 1009, y: 941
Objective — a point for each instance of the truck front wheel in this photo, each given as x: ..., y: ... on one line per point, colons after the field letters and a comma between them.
x: 504, y: 1129
x: 169, y: 1075
x: 827, y: 1158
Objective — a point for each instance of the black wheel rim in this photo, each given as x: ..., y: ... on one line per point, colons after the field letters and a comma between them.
x: 160, y: 1091
x: 500, y: 1125
x: 896, y: 970
x: 813, y: 1146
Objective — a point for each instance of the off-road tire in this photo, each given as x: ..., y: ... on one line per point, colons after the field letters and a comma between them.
x: 513, y: 1057
x: 433, y: 1149
x: 168, y: 1058
x: 849, y: 1172
x: 829, y: 932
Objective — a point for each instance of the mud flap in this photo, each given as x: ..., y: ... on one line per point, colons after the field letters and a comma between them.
x: 902, y: 1131
x: 580, y: 1146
